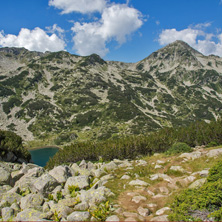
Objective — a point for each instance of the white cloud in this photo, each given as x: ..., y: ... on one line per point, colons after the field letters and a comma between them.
x: 117, y: 22
x: 34, y: 40
x: 82, y: 6
x: 205, y: 44
x: 187, y: 35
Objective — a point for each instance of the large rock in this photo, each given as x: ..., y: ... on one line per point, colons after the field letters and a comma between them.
x: 137, y: 199
x: 83, y: 206
x: 79, y: 181
x: 61, y: 173
x: 69, y: 202
x: 7, y: 213
x: 10, y: 157
x: 215, y: 152
x: 109, y: 166
x: 62, y: 210
x: 5, y: 176
x: 160, y: 218
x: 11, y: 197
x: 143, y: 211
x: 25, y: 183
x: 83, y: 164
x: 198, y: 183
x: 4, y: 189
x: 95, y: 196
x: 191, y: 156
x: 202, y: 173
x: 138, y: 182
x: 112, y: 218
x: 79, y: 216
x: 177, y: 168
x: 32, y: 201
x: 98, y: 173
x: 162, y: 176
x: 35, y: 172
x: 15, y: 176
x: 30, y: 215
x: 162, y: 211
x: 45, y: 184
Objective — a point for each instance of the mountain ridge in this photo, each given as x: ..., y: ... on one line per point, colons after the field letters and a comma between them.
x: 63, y: 96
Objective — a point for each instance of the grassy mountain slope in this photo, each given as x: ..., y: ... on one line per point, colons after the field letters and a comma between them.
x: 65, y: 97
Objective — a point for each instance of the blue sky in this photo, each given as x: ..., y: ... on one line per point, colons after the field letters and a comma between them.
x: 121, y: 30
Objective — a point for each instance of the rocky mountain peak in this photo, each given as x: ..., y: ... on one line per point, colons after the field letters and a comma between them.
x: 175, y: 54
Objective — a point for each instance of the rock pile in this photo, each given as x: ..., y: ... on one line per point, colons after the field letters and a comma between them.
x: 30, y: 193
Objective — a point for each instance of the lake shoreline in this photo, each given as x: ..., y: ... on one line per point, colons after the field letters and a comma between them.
x: 43, y: 147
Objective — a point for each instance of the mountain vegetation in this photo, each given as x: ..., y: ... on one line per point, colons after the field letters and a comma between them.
x: 170, y: 140
x: 61, y: 98
x: 12, y: 143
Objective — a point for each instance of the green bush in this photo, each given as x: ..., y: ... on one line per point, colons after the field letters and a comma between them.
x: 10, y: 142
x: 206, y: 200
x: 215, y: 172
x: 179, y: 148
x: 199, y: 133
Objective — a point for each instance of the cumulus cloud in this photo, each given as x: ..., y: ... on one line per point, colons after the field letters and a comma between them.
x: 34, y: 40
x: 82, y: 6
x: 117, y: 22
x: 197, y: 37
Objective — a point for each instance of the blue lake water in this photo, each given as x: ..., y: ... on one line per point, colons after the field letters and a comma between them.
x: 41, y: 156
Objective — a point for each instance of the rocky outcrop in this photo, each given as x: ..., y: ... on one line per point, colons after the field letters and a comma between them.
x: 75, y: 192
x: 29, y: 193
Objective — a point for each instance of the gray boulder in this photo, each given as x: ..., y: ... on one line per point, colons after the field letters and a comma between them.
x: 162, y: 211
x: 45, y: 184
x: 4, y: 189
x: 98, y: 173
x: 11, y: 198
x: 83, y: 206
x: 16, y: 208
x: 112, y: 218
x: 61, y: 173
x: 94, y: 196
x: 5, y: 177
x: 138, y: 182
x: 90, y: 166
x: 62, y: 210
x: 177, y: 168
x: 79, y: 216
x: 15, y: 176
x: 143, y: 211
x: 191, y: 156
x: 160, y: 218
x: 198, y: 183
x: 83, y: 164
x: 78, y: 181
x: 25, y: 183
x: 214, y: 153
x: 32, y: 201
x: 109, y: 166
x: 10, y: 157
x: 7, y: 213
x: 30, y: 215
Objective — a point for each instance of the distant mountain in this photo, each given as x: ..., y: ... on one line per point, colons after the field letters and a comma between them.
x: 63, y: 97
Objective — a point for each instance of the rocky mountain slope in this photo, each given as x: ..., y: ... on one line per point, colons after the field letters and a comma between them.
x: 137, y: 190
x: 64, y: 97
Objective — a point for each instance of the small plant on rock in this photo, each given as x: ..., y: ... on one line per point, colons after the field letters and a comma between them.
x: 101, y: 212
x: 59, y: 195
x: 73, y: 190
x: 56, y: 216
x: 50, y: 197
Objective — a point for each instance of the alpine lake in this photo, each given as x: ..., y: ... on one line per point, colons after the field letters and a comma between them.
x: 40, y: 156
